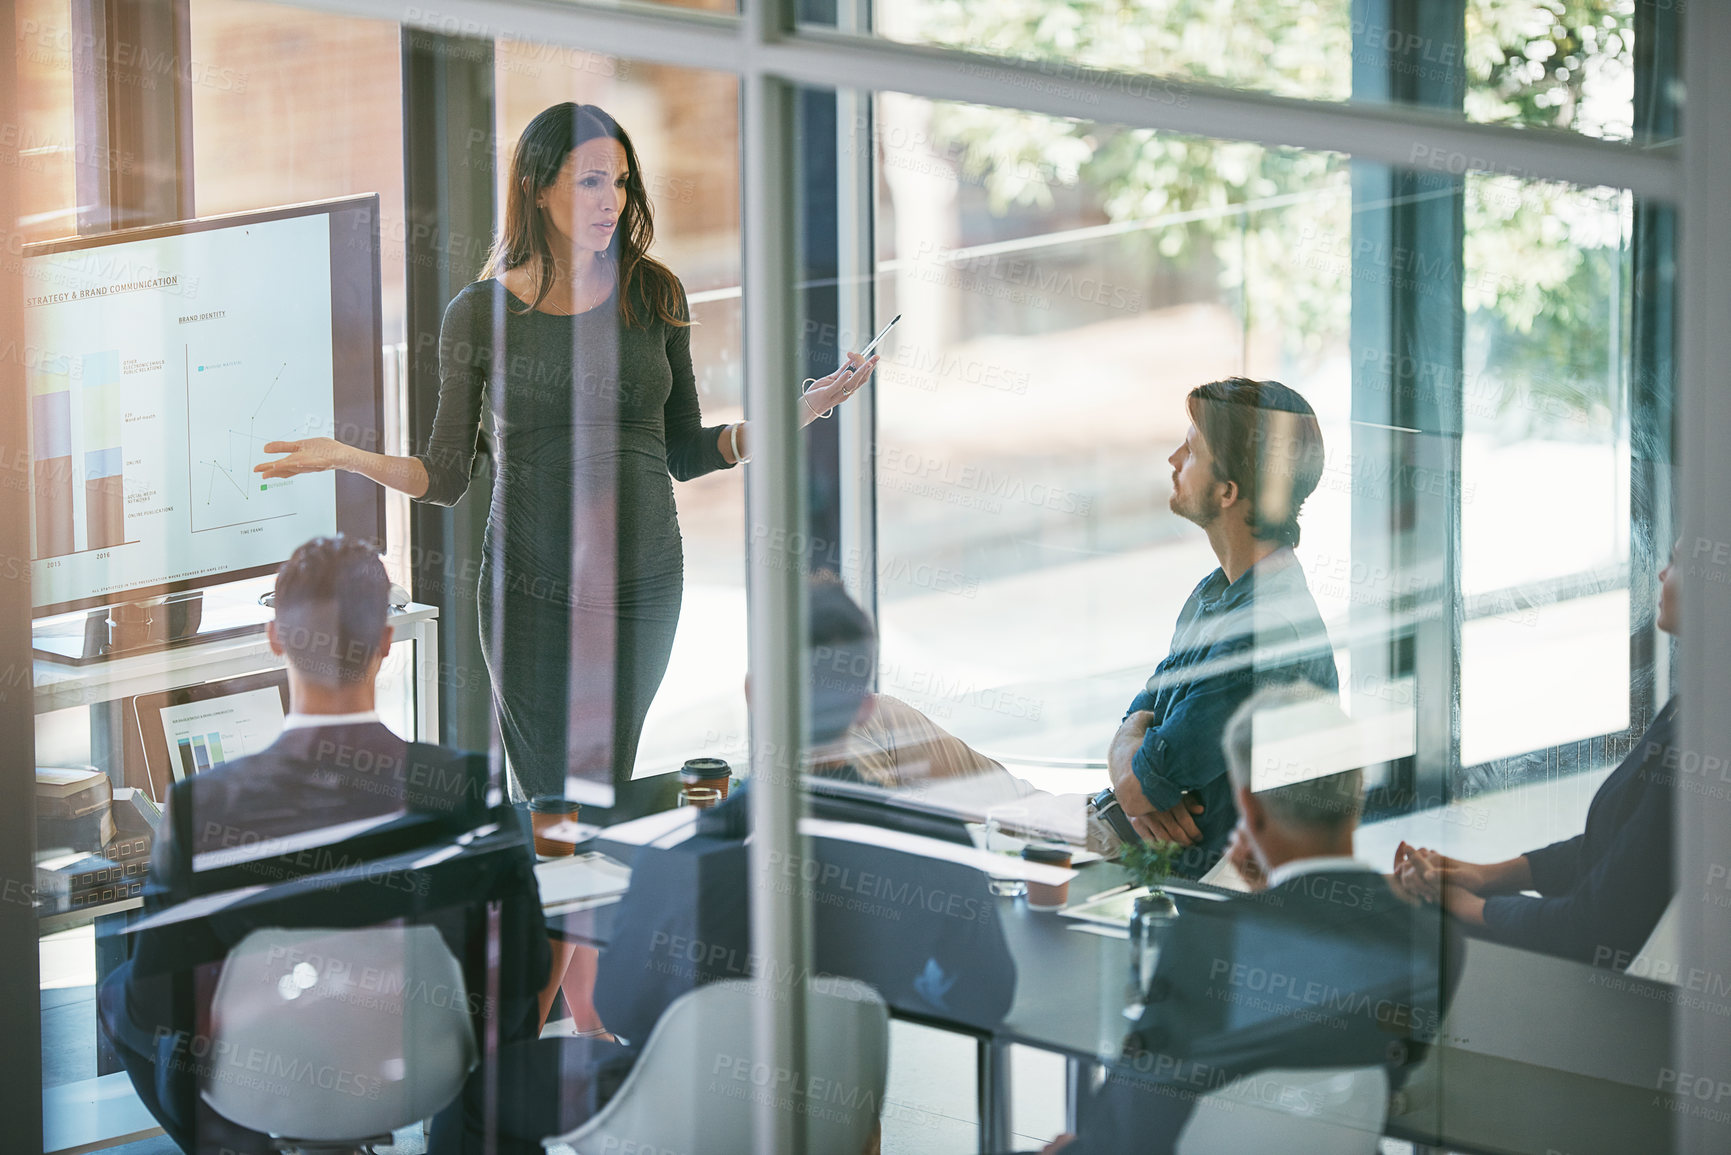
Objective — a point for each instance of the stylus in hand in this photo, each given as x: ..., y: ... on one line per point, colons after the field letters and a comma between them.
x: 882, y: 333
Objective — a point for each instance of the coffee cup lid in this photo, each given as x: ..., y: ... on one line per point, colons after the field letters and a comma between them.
x: 705, y: 767
x: 1053, y: 855
x: 552, y: 804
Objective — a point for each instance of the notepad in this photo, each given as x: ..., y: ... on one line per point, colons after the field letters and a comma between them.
x: 662, y: 829
x: 584, y: 878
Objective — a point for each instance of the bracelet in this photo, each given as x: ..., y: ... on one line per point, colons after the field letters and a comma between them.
x: 733, y: 440
x: 805, y: 395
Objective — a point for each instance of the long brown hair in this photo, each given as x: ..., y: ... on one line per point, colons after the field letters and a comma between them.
x: 535, y: 164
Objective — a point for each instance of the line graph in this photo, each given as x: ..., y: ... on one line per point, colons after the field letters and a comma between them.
x: 236, y: 468
x: 229, y: 402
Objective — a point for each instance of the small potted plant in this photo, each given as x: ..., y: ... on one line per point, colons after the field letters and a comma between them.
x: 1150, y: 865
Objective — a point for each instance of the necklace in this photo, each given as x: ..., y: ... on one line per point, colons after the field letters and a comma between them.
x: 595, y: 298
x: 606, y: 289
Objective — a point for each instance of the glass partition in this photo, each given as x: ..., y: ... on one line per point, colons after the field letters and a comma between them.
x: 1467, y: 545
x: 1061, y: 295
x: 1318, y: 508
x: 1548, y: 421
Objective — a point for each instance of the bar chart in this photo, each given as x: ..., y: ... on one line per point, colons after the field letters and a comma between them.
x: 201, y: 752
x: 51, y: 446
x: 76, y: 421
x: 104, y: 477
x: 211, y: 732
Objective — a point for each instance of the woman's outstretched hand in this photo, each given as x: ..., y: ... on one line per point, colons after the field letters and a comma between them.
x: 308, y: 455
x: 826, y: 393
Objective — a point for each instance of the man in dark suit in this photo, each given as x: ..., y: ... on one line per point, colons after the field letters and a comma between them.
x: 318, y: 797
x: 1323, y: 966
x: 923, y: 931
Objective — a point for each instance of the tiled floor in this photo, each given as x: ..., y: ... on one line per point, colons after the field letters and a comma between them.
x: 930, y: 1104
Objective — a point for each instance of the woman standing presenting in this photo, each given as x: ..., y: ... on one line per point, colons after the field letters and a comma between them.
x: 577, y: 344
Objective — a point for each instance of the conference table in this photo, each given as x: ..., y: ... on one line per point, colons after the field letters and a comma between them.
x: 1071, y: 988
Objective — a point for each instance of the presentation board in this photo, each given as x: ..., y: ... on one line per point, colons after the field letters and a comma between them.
x: 160, y: 361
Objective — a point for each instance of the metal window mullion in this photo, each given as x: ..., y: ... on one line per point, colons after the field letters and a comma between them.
x: 1407, y: 348
x: 855, y: 180
x: 448, y: 157
x: 775, y: 503
x: 20, y: 977
x: 1392, y: 133
x: 1702, y: 1039
x: 1652, y: 375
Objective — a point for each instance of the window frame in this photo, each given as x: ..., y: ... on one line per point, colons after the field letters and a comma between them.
x: 1680, y: 184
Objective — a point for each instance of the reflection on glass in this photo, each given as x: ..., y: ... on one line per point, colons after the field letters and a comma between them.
x: 48, y: 151
x: 1062, y: 297
x: 329, y: 88
x: 1546, y: 463
x: 1524, y: 62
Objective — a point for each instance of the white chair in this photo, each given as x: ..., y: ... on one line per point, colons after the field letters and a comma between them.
x: 329, y: 1040
x: 1327, y: 1111
x: 696, y: 1085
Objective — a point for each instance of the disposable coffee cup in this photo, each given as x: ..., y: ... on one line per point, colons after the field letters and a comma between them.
x: 702, y: 797
x: 1044, y: 896
x: 712, y: 773
x: 545, y: 813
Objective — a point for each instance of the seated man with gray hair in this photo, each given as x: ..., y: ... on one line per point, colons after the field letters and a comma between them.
x: 1322, y: 967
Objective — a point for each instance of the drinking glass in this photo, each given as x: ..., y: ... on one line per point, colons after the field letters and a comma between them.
x: 1003, y: 827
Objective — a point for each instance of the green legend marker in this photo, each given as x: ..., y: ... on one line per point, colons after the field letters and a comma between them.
x: 261, y: 487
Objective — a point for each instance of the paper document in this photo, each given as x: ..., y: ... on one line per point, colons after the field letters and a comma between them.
x: 655, y: 829
x: 579, y: 879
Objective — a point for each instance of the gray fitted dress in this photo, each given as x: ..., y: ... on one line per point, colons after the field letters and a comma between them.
x: 583, y: 568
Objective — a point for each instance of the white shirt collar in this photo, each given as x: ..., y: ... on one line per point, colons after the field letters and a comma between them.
x: 1287, y: 871
x: 311, y: 721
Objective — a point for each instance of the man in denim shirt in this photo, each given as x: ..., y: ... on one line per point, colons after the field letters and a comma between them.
x: 1251, y: 456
